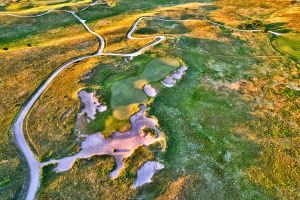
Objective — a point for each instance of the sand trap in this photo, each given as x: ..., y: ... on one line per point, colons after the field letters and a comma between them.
x: 119, y: 145
x: 149, y: 90
x: 146, y: 172
x: 91, y: 104
x: 170, y: 81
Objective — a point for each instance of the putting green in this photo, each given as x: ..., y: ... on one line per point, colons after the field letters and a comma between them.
x: 129, y: 92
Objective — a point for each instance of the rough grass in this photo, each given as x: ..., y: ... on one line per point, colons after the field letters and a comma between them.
x: 88, y: 179
x: 58, y: 106
x: 226, y: 142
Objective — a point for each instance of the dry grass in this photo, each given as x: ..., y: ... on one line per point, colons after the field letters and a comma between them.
x: 22, y: 71
x: 234, y: 12
x: 275, y: 99
x: 289, y: 15
x: 174, y: 189
x: 50, y: 124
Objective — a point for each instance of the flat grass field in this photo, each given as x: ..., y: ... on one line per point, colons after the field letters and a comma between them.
x: 231, y: 124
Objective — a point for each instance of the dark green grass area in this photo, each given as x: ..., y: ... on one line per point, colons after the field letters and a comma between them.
x: 199, y: 123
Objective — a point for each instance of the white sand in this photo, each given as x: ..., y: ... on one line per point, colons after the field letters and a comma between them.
x: 149, y: 90
x: 124, y: 143
x: 169, y: 81
x: 91, y: 104
x: 146, y: 172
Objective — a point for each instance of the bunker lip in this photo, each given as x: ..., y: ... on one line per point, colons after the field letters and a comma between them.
x: 120, y: 145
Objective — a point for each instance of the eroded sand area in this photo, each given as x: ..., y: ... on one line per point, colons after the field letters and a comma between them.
x: 119, y: 145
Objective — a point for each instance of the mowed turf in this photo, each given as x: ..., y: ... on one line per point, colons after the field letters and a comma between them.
x: 289, y: 44
x: 128, y: 91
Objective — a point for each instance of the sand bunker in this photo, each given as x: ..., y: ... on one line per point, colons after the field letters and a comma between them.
x: 149, y: 90
x: 91, y: 104
x: 146, y: 172
x: 170, y: 81
x: 119, y: 145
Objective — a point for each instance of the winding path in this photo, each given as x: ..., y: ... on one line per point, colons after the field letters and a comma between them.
x: 17, y: 126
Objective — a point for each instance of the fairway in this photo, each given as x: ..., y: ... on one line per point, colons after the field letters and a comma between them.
x: 128, y: 93
x: 289, y: 44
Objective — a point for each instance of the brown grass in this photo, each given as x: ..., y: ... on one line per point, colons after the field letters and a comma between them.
x: 234, y: 12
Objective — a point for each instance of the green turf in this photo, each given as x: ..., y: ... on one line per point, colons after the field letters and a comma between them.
x: 289, y: 44
x: 124, y: 92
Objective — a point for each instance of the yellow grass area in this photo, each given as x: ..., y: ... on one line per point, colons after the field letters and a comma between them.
x: 35, y: 6
x: 289, y: 15
x: 235, y: 12
x: 52, y: 37
x: 114, y: 29
x: 124, y: 112
x: 174, y: 189
x: 202, y: 29
x: 278, y: 168
x: 24, y: 70
x: 51, y: 121
x: 140, y: 83
x: 276, y: 128
x: 21, y: 72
